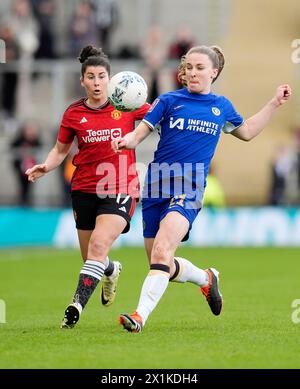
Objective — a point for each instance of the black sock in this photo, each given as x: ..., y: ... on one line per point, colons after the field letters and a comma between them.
x: 89, y: 277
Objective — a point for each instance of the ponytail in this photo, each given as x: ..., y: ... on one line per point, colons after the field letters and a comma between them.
x: 181, y: 71
x: 221, y: 59
x: 92, y: 56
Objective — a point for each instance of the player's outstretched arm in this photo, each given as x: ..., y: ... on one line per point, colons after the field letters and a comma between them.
x: 54, y: 159
x: 132, y: 139
x: 256, y: 123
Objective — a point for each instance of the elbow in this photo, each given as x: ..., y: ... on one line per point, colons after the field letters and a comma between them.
x: 247, y: 138
x: 246, y: 132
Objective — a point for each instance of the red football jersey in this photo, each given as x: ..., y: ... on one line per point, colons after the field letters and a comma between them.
x: 98, y: 169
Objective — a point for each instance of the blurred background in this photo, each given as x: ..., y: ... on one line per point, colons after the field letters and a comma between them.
x: 253, y: 191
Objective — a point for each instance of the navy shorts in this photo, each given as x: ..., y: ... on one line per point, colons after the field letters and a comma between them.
x: 154, y: 210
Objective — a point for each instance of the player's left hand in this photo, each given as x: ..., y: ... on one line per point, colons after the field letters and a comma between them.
x: 283, y: 93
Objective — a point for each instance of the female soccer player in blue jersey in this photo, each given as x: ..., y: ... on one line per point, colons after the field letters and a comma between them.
x: 190, y: 121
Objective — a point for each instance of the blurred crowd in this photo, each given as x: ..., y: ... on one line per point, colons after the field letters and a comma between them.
x: 28, y: 29
x: 24, y: 152
x: 285, y: 173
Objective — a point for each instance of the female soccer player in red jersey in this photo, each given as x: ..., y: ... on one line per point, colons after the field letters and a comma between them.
x: 104, y: 187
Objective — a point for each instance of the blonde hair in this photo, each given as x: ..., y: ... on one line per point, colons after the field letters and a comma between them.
x: 214, y: 53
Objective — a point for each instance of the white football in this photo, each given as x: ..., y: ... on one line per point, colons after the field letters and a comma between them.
x: 127, y: 91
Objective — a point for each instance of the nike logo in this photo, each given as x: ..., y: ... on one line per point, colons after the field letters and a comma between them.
x: 177, y: 107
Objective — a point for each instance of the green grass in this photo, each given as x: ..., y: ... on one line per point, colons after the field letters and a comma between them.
x: 254, y: 331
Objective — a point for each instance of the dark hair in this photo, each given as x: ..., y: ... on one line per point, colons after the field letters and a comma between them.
x: 214, y: 53
x: 91, y: 56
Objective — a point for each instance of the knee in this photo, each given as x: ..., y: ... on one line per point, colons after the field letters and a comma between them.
x: 161, y: 253
x: 98, y: 247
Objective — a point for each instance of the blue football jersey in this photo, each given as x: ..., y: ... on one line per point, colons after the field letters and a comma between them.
x: 189, y: 125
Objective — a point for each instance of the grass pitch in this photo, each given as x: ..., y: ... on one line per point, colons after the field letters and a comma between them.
x: 255, y: 329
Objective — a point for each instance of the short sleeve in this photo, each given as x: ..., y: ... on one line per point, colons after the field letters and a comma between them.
x: 65, y: 134
x: 155, y: 113
x: 141, y: 112
x: 232, y: 117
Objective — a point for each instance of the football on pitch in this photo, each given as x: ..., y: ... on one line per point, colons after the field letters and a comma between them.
x: 127, y: 91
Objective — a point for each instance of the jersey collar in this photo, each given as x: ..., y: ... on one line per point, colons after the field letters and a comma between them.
x: 198, y: 96
x: 95, y: 109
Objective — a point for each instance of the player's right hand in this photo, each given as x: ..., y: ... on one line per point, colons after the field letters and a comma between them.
x: 118, y: 144
x: 36, y: 172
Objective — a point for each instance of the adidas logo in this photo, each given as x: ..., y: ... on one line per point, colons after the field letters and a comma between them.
x: 122, y: 209
x: 83, y: 120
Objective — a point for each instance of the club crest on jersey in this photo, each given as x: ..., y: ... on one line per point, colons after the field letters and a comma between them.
x: 116, y: 115
x: 216, y: 111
